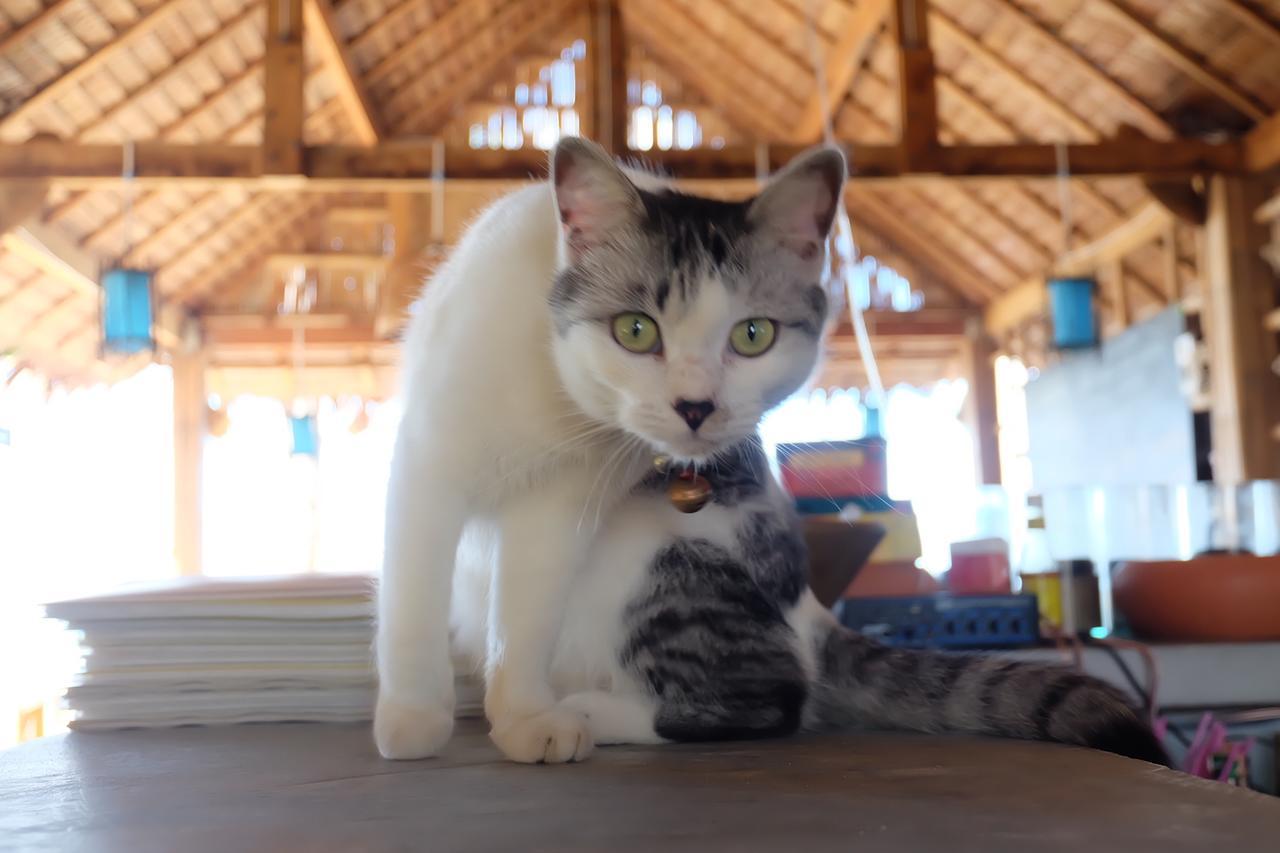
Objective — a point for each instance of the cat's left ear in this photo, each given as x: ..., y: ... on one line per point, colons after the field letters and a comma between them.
x: 594, y: 198
x: 799, y: 204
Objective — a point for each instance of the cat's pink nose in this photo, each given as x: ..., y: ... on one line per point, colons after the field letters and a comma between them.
x: 694, y: 412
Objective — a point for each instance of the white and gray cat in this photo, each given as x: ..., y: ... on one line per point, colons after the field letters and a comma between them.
x: 582, y: 326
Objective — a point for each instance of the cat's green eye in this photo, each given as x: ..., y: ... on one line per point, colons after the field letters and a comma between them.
x: 637, y: 332
x: 753, y: 337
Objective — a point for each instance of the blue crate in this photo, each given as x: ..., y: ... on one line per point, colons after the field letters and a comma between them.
x: 945, y: 621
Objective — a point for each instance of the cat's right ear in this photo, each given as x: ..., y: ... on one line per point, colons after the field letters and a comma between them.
x: 594, y: 198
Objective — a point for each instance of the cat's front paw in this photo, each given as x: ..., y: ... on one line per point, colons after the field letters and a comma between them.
x: 550, y: 737
x: 406, y: 732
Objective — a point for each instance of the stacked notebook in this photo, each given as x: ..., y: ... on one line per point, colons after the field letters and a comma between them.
x: 206, y: 651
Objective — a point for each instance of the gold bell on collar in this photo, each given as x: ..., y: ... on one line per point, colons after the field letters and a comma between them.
x: 689, y: 491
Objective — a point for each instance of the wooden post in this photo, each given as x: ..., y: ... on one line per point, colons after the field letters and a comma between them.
x: 189, y: 412
x: 284, y: 110
x: 917, y: 95
x: 412, y: 217
x: 1239, y: 290
x: 607, y: 64
x: 980, y: 409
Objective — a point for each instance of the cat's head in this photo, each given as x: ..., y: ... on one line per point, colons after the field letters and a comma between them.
x: 680, y: 319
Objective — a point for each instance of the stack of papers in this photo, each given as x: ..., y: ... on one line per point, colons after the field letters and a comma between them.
x: 207, y: 651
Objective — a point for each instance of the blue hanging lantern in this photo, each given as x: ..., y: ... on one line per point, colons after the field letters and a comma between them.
x: 306, y: 439
x: 126, y: 311
x: 1071, y: 307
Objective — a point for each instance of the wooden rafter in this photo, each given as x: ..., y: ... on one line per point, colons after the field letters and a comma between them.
x: 759, y: 100
x: 660, y: 36
x: 322, y: 28
x: 739, y: 38
x: 538, y: 22
x: 1254, y: 22
x: 250, y: 256
x: 188, y: 62
x: 842, y: 63
x: 45, y: 16
x: 1194, y: 67
x: 194, y: 215
x: 141, y: 28
x: 965, y: 231
x: 452, y: 28
x: 1151, y: 122
x: 390, y: 21
x: 946, y: 266
x: 949, y: 30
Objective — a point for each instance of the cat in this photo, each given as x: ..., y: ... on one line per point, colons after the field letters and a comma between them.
x: 583, y: 326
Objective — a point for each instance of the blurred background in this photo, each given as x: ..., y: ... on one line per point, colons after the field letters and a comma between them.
x: 1055, y: 369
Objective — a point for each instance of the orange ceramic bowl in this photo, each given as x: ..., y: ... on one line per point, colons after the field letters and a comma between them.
x: 1214, y: 598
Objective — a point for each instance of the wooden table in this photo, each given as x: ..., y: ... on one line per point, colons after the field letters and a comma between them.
x: 322, y: 787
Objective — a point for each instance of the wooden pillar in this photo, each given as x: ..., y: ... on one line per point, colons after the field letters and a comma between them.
x: 1239, y: 290
x: 412, y: 217
x: 607, y: 66
x: 917, y: 95
x: 189, y: 412
x: 284, y: 109
x: 980, y: 409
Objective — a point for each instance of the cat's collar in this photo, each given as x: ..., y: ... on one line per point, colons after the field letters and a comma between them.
x: 688, y: 491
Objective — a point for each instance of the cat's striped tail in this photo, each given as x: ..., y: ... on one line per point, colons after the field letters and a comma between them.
x: 868, y: 685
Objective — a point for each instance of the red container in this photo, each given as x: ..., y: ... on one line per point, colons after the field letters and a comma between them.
x: 980, y: 567
x: 834, y: 469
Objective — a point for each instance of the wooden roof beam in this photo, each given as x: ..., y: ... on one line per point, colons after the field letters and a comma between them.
x: 284, y: 106
x: 917, y: 94
x: 322, y: 28
x: 1194, y: 67
x: 842, y: 63
x: 343, y: 167
x: 140, y: 28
